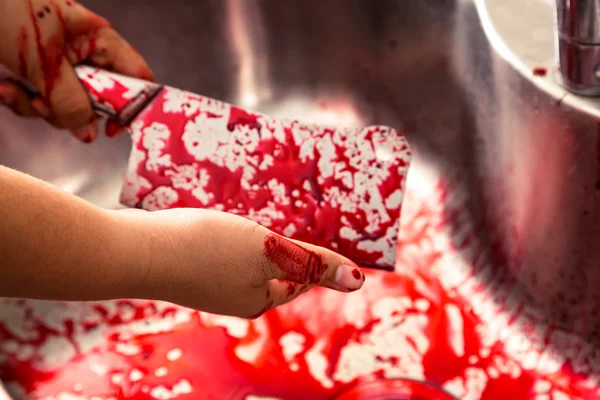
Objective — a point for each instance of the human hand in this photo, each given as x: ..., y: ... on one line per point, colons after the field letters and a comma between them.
x: 40, y: 40
x: 226, y: 264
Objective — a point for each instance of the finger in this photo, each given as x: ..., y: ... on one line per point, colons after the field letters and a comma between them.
x: 87, y: 133
x: 104, y: 47
x: 79, y: 21
x: 279, y: 292
x: 15, y: 98
x: 284, y: 291
x: 70, y: 104
x: 42, y: 61
x: 113, y: 52
x: 113, y: 128
x: 80, y: 48
x: 7, y: 93
x: 41, y: 107
x: 53, y: 75
x: 302, y: 263
x: 81, y: 26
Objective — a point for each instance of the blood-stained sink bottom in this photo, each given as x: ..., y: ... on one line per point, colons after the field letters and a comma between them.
x: 447, y: 316
x: 395, y: 389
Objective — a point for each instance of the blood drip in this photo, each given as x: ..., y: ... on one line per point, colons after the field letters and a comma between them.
x: 299, y: 264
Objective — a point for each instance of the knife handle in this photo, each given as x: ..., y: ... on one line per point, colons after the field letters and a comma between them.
x: 112, y: 96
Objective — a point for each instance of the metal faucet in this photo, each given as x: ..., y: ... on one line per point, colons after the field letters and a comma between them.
x: 578, y: 45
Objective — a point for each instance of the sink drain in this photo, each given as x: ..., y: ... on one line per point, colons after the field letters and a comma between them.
x: 395, y: 389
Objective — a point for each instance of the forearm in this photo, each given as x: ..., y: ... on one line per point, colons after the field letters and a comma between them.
x: 54, y: 245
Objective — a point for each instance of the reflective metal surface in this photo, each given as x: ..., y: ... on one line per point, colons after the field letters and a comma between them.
x: 472, y: 83
x: 536, y: 162
x: 579, y: 20
x: 578, y: 44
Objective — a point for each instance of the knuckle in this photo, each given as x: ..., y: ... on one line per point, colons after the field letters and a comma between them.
x: 250, y: 236
x: 267, y: 269
x: 256, y: 231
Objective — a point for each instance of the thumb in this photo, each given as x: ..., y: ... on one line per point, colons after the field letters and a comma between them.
x: 70, y: 104
x: 302, y: 263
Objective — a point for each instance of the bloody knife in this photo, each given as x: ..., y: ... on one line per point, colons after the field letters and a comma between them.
x: 340, y: 188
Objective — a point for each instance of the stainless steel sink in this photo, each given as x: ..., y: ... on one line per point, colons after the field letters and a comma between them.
x: 470, y: 82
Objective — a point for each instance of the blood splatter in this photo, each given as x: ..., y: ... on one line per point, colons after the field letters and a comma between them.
x: 113, y: 128
x: 61, y: 20
x: 299, y: 264
x: 356, y: 273
x: 51, y: 51
x: 50, y: 56
x: 238, y: 116
x: 320, y: 346
x: 22, y: 45
x: 404, y: 389
x: 291, y: 289
x: 113, y: 104
x: 540, y: 71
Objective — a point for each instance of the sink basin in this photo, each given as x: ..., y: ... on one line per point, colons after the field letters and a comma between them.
x: 494, y: 293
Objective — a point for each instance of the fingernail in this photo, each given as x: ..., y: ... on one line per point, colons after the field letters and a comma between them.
x: 349, y: 277
x: 86, y: 134
x: 41, y: 107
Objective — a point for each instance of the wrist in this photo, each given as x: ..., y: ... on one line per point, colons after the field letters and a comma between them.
x: 142, y: 250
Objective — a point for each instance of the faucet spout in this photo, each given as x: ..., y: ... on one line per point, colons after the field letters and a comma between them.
x: 578, y: 45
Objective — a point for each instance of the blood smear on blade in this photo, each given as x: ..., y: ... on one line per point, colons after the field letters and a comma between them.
x: 340, y: 188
